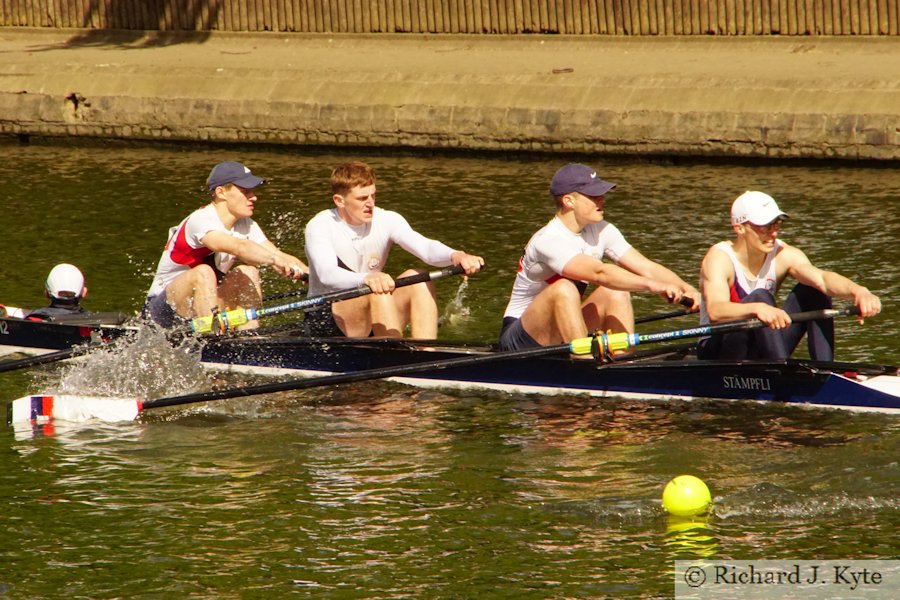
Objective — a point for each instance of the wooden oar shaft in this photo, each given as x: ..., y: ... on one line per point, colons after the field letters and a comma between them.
x: 356, y: 376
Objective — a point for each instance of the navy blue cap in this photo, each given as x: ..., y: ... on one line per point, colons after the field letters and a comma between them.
x: 579, y: 178
x: 232, y: 172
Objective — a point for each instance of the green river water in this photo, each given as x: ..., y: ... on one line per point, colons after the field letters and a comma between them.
x: 379, y: 490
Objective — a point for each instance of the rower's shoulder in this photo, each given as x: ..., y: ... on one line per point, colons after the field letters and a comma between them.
x: 323, y: 218
x: 718, y: 261
x: 723, y: 250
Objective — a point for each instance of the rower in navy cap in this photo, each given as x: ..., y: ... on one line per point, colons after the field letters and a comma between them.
x: 198, y: 269
x: 566, y: 256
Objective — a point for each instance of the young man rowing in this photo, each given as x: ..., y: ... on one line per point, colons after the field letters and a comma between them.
x: 565, y: 256
x: 196, y: 272
x: 739, y: 280
x: 348, y: 246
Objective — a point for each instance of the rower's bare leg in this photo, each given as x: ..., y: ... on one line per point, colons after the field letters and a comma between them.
x: 417, y: 305
x: 386, y: 319
x: 241, y: 288
x: 193, y: 293
x: 353, y: 317
x: 554, y: 316
x: 609, y: 310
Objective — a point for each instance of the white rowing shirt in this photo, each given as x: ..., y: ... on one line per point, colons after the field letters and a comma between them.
x: 766, y: 279
x: 185, y: 250
x: 551, y: 248
x: 341, y: 255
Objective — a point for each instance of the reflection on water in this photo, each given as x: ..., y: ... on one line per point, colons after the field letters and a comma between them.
x: 416, y: 489
x: 690, y: 537
x: 380, y: 490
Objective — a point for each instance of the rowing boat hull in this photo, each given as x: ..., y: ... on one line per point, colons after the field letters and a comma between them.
x: 20, y: 336
x: 835, y: 385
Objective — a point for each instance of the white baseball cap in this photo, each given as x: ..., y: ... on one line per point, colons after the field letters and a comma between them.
x: 65, y: 281
x: 756, y: 207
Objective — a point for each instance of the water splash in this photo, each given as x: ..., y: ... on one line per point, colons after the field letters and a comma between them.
x: 770, y: 501
x: 456, y: 310
x: 145, y: 365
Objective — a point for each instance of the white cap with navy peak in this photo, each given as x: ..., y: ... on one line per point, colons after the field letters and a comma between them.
x: 756, y: 207
x: 65, y: 281
x: 232, y: 172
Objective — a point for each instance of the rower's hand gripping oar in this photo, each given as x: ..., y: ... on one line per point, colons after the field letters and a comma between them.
x: 605, y: 345
x: 228, y: 320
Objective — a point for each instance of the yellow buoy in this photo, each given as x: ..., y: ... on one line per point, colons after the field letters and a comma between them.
x: 686, y: 496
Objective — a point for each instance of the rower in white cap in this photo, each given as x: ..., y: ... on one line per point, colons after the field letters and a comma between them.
x: 740, y: 279
x: 65, y: 288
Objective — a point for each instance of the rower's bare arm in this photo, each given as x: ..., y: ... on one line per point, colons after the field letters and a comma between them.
x: 833, y: 284
x: 798, y: 266
x: 716, y: 272
x: 585, y: 268
x: 251, y: 253
x: 284, y: 263
x: 637, y: 263
x: 838, y: 286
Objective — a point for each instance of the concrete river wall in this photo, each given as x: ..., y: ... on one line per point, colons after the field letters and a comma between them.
x: 740, y: 96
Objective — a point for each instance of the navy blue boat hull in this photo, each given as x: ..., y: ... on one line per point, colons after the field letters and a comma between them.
x: 20, y: 335
x: 839, y: 385
x: 795, y: 381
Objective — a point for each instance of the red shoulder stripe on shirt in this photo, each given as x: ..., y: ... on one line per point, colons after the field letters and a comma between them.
x: 183, y: 254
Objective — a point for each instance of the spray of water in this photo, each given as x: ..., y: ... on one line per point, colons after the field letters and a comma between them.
x: 143, y: 365
x: 456, y: 310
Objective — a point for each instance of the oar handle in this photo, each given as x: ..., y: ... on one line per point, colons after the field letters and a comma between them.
x: 685, y: 302
x: 810, y: 315
x: 228, y: 320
